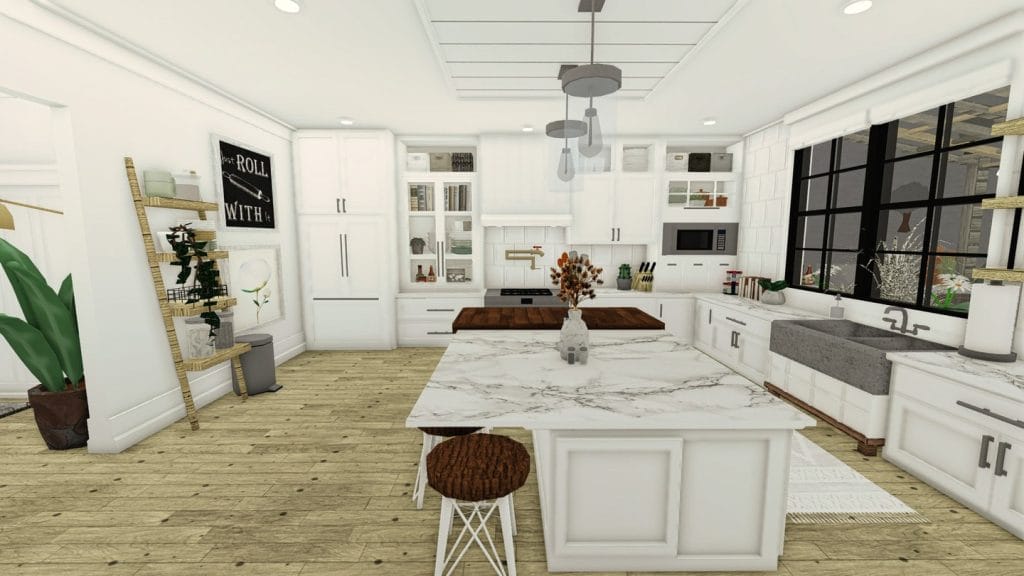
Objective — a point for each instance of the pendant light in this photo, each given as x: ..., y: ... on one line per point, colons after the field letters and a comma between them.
x: 565, y: 129
x: 592, y: 143
x: 592, y: 80
x: 7, y: 220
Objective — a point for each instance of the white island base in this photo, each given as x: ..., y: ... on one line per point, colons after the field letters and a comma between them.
x: 663, y: 500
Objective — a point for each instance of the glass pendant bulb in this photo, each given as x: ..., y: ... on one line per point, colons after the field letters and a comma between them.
x: 566, y: 170
x: 591, y: 143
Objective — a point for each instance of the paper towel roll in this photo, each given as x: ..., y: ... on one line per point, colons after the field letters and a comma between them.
x: 992, y: 317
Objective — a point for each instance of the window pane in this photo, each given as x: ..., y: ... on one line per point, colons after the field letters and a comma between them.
x: 806, y: 268
x: 842, y: 272
x: 962, y: 228
x: 813, y: 193
x: 901, y: 230
x: 849, y: 189
x: 973, y: 117
x: 820, y: 157
x: 896, y: 277
x: 972, y: 171
x: 810, y: 231
x: 913, y: 134
x: 908, y: 180
x: 854, y: 149
x: 845, y: 231
x: 950, y: 282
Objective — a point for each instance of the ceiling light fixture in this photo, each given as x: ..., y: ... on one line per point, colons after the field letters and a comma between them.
x: 565, y: 129
x: 287, y: 6
x: 710, y: 121
x: 346, y: 121
x: 527, y: 128
x: 591, y: 80
x: 852, y: 7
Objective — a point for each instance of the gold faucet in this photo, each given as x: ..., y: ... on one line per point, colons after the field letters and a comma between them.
x: 530, y: 255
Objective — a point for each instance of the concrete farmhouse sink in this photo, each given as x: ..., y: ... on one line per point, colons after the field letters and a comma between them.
x: 847, y: 351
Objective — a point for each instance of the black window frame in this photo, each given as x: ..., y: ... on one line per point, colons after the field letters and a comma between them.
x: 877, y: 183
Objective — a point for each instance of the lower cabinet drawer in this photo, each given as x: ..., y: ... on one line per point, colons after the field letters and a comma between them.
x: 799, y: 387
x: 777, y: 373
x: 434, y: 308
x: 856, y: 418
x: 424, y: 333
x: 828, y: 403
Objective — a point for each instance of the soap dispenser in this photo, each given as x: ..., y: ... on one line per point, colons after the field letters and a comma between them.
x: 837, y: 311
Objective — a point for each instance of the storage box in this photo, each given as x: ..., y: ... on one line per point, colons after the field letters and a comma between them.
x: 441, y: 162
x: 186, y: 185
x: 158, y: 184
x: 721, y: 162
x: 677, y: 162
x: 462, y: 161
x: 417, y: 162
x: 700, y: 162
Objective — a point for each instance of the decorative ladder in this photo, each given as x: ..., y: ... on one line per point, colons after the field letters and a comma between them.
x: 169, y: 310
x: 1015, y: 203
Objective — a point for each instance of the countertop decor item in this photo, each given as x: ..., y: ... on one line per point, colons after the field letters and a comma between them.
x: 575, y: 277
x: 991, y: 322
x: 416, y: 245
x: 772, y: 291
x: 47, y: 343
x: 625, y: 279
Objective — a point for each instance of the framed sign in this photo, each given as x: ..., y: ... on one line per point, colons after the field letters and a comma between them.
x: 245, y: 181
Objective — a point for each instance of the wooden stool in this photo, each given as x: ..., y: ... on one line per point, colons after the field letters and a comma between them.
x: 432, y: 437
x: 476, y: 474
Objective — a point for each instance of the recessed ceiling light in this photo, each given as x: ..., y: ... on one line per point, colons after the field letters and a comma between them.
x: 289, y: 6
x: 710, y: 121
x: 346, y: 121
x: 527, y: 128
x: 851, y: 7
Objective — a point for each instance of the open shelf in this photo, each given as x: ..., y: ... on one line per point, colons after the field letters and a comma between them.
x: 176, y: 203
x: 998, y: 274
x: 1009, y: 128
x: 180, y: 309
x: 1003, y: 202
x: 211, y: 255
x: 200, y: 364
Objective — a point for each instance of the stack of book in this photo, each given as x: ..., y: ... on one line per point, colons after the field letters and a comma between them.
x: 421, y: 198
x: 456, y: 198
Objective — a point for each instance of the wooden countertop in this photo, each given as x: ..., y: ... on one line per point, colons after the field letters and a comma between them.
x: 550, y: 318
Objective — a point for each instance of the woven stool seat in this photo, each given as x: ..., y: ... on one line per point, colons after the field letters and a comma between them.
x: 478, y: 467
x: 449, y: 431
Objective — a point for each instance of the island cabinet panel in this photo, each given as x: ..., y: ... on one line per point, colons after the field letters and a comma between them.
x: 663, y: 500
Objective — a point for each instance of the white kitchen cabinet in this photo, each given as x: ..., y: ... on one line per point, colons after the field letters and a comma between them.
x: 960, y: 440
x: 613, y: 208
x: 426, y: 319
x: 516, y: 177
x: 344, y: 172
x: 702, y: 328
x: 677, y: 314
x: 344, y: 323
x: 735, y: 339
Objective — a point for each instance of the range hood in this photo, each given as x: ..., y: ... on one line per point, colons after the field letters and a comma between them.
x: 526, y: 219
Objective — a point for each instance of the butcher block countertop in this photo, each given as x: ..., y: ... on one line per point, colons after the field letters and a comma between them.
x: 550, y: 318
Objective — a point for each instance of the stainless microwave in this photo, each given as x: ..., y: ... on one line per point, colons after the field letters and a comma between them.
x: 689, y: 239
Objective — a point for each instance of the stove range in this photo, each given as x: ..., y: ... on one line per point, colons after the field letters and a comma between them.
x: 522, y: 297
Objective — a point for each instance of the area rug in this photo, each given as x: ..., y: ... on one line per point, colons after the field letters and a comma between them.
x: 824, y: 490
x: 8, y: 408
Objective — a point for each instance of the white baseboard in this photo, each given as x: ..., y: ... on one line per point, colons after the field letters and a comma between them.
x: 115, y: 434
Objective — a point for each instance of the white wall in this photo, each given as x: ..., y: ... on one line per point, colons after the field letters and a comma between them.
x: 115, y: 104
x: 985, y: 59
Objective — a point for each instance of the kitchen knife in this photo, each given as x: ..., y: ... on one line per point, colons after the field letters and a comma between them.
x: 639, y: 276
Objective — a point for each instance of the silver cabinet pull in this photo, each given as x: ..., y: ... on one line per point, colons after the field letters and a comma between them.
x: 661, y: 310
x: 344, y: 210
x: 698, y: 263
x: 613, y: 234
x: 440, y: 271
x: 439, y: 332
x: 986, y: 441
x: 440, y: 309
x: 724, y: 264
x: 337, y: 205
x: 991, y: 414
x: 1004, y: 447
x: 348, y: 270
x: 740, y: 322
x: 618, y: 234
x: 709, y: 315
x: 341, y: 253
x: 732, y: 342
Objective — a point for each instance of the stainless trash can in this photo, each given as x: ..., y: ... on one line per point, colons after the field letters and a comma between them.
x: 257, y: 365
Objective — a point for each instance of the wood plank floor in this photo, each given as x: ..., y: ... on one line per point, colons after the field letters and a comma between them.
x: 315, y: 480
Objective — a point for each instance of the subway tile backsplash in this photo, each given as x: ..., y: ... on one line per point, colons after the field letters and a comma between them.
x: 501, y: 273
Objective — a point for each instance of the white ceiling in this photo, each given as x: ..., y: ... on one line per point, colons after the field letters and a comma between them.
x: 372, y: 60
x: 514, y: 49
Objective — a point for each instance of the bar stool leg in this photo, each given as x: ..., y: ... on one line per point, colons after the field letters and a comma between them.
x: 507, y: 531
x: 419, y: 489
x: 512, y: 512
x: 444, y: 529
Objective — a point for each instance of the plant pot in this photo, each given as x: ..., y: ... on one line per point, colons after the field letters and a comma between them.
x: 62, y: 417
x: 774, y: 298
x: 624, y: 283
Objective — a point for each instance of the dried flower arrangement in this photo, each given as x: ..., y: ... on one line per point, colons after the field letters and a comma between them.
x: 897, y: 275
x: 575, y: 277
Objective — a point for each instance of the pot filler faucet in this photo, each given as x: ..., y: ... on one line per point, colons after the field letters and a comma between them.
x: 903, y: 327
x: 530, y: 255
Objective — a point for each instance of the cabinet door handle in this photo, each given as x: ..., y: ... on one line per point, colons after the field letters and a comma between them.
x: 341, y: 253
x: 1004, y: 447
x: 661, y: 310
x: 439, y: 332
x: 991, y: 414
x: 986, y: 441
x: 740, y: 322
x: 709, y: 315
x: 344, y: 210
x: 732, y: 339
x: 348, y: 270
x: 440, y: 309
x: 337, y: 205
x: 613, y: 234
x: 440, y: 272
x: 618, y: 234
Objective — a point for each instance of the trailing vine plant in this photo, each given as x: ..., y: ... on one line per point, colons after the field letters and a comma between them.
x: 206, y: 284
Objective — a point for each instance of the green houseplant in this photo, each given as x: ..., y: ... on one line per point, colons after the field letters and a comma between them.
x: 47, y: 342
x: 772, y: 291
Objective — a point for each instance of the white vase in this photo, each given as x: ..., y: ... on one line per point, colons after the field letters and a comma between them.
x: 770, y: 297
x: 574, y: 333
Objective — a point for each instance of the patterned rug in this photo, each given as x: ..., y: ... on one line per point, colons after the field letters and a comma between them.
x: 824, y: 490
x: 8, y: 408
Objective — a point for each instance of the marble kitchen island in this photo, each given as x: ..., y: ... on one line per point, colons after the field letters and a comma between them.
x: 651, y: 457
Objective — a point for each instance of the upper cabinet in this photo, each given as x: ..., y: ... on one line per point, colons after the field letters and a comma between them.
x: 517, y: 176
x: 614, y: 208
x: 344, y: 172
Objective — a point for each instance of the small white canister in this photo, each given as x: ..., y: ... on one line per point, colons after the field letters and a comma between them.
x: 198, y: 343
x: 186, y: 185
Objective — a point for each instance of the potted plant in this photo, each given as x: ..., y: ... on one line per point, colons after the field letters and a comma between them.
x: 625, y: 279
x: 772, y: 291
x: 575, y: 277
x: 47, y: 342
x: 206, y: 287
